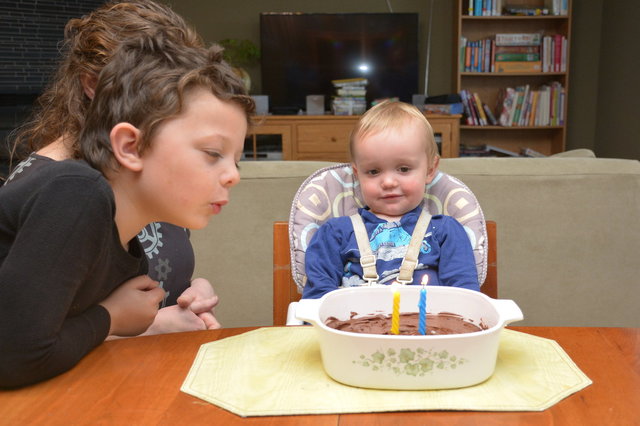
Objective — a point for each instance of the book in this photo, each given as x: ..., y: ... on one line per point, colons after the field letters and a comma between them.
x: 557, y: 52
x: 518, y: 66
x: 534, y: 108
x: 490, y: 116
x: 505, y: 102
x: 482, y: 117
x: 350, y: 82
x: 523, y: 92
x: 467, y: 109
x: 517, y: 49
x: 518, y: 39
x: 528, y: 152
x: 351, y: 91
x: 517, y: 57
x: 454, y: 108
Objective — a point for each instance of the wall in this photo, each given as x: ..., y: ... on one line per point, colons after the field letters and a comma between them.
x: 618, y: 126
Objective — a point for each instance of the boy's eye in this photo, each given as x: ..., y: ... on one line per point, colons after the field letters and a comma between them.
x: 372, y: 172
x: 213, y: 154
x: 404, y: 169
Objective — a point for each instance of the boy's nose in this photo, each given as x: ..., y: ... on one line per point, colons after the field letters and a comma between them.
x: 231, y: 176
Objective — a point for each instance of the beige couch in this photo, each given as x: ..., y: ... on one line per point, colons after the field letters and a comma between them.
x: 568, y: 236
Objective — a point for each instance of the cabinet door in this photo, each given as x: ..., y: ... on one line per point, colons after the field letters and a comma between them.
x: 330, y: 138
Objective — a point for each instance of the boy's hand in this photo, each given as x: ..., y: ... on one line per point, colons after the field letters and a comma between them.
x: 133, y: 306
x: 173, y: 319
x: 201, y: 300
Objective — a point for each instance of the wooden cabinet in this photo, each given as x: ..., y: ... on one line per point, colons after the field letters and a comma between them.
x: 326, y: 137
x: 544, y: 139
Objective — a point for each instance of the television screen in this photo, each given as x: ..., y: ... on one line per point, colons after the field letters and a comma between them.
x: 301, y: 53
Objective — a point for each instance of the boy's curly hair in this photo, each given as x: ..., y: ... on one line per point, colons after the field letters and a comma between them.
x: 145, y: 83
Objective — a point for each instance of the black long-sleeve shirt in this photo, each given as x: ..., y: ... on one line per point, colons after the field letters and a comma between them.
x: 60, y: 255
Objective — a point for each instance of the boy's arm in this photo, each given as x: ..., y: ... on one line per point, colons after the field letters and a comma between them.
x: 457, y: 267
x: 49, y: 312
x: 323, y: 262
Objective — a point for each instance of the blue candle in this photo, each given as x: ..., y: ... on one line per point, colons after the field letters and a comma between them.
x: 422, y: 305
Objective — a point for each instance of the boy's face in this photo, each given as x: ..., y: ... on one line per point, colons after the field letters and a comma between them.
x: 191, y: 162
x: 392, y: 168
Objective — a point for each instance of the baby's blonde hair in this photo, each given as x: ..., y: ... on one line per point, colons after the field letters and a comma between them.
x: 391, y: 115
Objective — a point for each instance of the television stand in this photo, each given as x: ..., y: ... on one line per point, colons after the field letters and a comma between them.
x: 326, y: 137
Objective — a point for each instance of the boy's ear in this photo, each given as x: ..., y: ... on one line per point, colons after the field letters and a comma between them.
x: 125, y: 140
x: 433, y: 170
x: 355, y: 169
x: 89, y: 83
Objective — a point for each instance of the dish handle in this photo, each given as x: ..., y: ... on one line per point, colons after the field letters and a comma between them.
x: 509, y: 310
x: 307, y: 310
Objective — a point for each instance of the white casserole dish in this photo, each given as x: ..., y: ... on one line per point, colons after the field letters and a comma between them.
x: 408, y: 362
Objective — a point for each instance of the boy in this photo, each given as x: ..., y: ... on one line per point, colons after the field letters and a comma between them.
x: 394, y: 156
x: 163, y: 134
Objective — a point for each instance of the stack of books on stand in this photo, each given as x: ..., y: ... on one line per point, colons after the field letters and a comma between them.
x: 524, y: 106
x: 518, y: 52
x: 476, y: 112
x: 350, y: 96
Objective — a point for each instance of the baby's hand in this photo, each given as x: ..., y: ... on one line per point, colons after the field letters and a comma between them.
x: 200, y: 299
x: 133, y: 305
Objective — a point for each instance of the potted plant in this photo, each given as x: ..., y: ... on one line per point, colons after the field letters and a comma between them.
x: 240, y: 54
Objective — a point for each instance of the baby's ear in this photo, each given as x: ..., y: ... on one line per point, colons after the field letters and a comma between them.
x: 125, y: 141
x: 433, y: 169
x: 355, y: 169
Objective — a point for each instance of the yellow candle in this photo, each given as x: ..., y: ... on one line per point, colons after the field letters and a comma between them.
x: 395, y: 316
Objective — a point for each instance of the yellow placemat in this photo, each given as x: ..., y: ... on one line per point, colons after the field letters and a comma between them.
x: 278, y: 371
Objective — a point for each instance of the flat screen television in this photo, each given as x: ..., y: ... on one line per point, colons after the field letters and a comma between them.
x: 301, y: 53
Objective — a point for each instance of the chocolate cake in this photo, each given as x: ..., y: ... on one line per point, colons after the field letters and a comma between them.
x: 437, y: 324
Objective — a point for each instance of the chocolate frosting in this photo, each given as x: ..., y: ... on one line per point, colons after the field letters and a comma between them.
x: 437, y: 324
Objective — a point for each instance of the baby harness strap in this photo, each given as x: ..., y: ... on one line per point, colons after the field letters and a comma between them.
x: 410, y: 261
x: 367, y: 258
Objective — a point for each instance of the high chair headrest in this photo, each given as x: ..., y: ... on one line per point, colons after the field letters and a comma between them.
x: 334, y: 191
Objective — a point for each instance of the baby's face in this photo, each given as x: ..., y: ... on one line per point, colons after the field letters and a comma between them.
x: 392, y: 169
x: 192, y: 161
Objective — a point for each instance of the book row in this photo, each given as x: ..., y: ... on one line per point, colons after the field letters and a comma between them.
x: 519, y: 106
x: 496, y: 8
x: 525, y: 106
x: 514, y: 53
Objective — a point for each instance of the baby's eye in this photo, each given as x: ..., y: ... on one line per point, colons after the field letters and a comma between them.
x: 404, y: 169
x: 373, y: 172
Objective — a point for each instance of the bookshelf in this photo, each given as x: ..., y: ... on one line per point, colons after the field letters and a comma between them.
x: 545, y: 139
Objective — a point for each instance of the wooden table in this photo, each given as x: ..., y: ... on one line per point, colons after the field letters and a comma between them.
x: 137, y: 381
